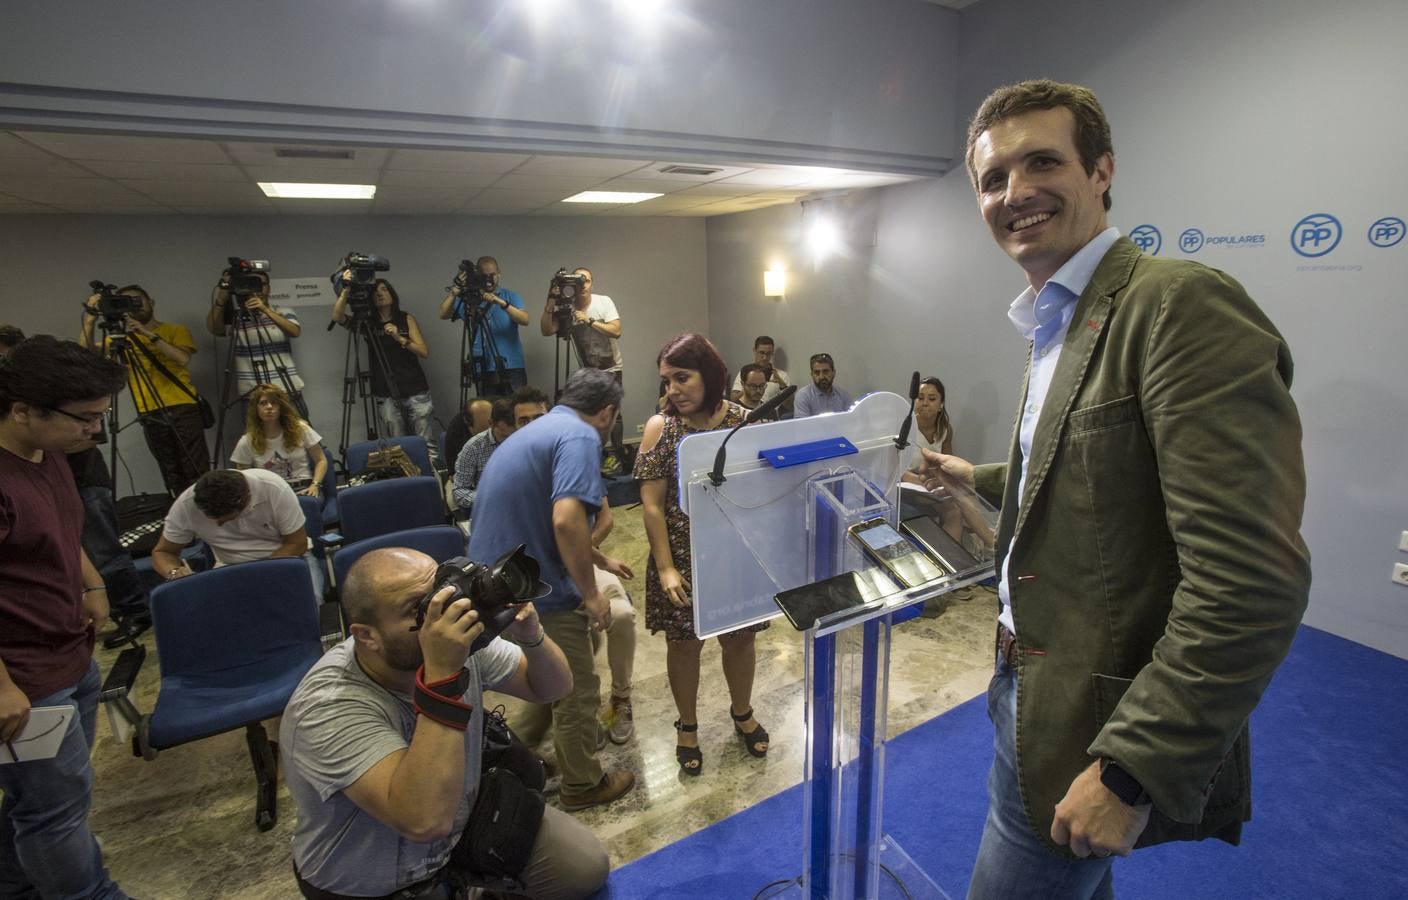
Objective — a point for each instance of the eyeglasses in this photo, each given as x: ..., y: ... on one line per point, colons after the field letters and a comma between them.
x: 91, y: 419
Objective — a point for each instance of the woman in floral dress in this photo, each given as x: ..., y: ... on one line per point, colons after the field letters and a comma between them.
x: 696, y: 381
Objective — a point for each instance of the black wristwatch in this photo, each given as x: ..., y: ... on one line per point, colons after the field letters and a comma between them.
x: 1122, y: 784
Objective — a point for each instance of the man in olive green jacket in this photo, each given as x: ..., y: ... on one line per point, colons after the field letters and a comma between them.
x: 1151, y: 570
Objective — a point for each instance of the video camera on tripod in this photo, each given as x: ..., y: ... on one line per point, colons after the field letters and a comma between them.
x: 356, y: 274
x: 242, y: 279
x: 471, y: 281
x: 569, y: 287
x: 113, y: 306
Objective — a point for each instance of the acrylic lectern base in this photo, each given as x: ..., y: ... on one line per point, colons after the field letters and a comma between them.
x: 901, y: 877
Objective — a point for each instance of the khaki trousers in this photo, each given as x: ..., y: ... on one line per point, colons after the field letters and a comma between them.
x: 573, y: 718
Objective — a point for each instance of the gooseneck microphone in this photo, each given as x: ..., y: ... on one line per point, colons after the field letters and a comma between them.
x: 902, y: 439
x: 762, y: 410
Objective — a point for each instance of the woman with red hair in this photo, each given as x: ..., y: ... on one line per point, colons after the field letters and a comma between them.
x: 696, y: 381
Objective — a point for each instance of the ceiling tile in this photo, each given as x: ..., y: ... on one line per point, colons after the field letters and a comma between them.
x: 12, y: 147
x: 779, y: 177
x: 629, y: 183
x: 455, y: 160
x: 43, y: 166
x: 313, y: 174
x: 127, y: 147
x: 166, y: 171
x: 225, y: 210
x: 653, y: 173
x: 188, y: 193
x: 580, y: 165
x: 436, y: 196
x: 427, y: 178
x: 64, y: 191
x: 565, y: 185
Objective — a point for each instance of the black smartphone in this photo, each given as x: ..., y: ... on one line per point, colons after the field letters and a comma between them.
x: 939, y: 543
x: 804, y: 605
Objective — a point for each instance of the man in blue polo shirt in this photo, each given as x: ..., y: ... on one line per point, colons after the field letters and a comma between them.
x: 543, y: 490
x: 497, y: 351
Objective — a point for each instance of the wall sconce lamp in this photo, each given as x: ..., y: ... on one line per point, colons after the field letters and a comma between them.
x: 774, y: 283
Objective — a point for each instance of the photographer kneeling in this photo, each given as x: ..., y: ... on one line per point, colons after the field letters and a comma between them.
x: 382, y: 748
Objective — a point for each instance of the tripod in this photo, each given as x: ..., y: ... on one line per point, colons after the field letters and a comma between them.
x: 488, y: 372
x: 562, y: 368
x: 356, y: 380
x: 259, y: 352
x: 120, y: 347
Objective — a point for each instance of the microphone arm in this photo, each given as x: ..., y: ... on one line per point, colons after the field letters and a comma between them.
x: 717, y: 475
x: 902, y: 440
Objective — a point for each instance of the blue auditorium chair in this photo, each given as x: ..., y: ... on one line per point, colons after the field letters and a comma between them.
x: 393, y: 504
x: 233, y: 643
x: 328, y: 493
x: 439, y: 543
x: 413, y: 444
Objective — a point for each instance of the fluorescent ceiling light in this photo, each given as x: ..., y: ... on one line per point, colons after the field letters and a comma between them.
x: 291, y: 190
x: 609, y: 197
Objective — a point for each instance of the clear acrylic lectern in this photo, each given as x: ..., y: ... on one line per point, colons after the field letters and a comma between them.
x: 779, y: 520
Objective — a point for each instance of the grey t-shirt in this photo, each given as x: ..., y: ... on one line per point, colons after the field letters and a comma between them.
x: 338, y: 725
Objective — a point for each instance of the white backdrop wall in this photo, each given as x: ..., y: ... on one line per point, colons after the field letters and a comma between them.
x: 1235, y: 119
x: 653, y: 268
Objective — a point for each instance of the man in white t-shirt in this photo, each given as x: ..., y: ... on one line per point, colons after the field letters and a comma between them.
x: 243, y: 515
x: 596, y: 333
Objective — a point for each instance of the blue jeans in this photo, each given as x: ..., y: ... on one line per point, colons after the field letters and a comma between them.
x: 46, y: 849
x: 1012, y: 863
x: 413, y: 415
x: 126, y: 593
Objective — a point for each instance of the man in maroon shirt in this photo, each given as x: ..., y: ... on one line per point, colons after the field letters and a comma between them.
x: 52, y: 395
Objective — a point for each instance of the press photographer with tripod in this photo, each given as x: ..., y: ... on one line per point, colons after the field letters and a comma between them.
x: 259, y: 351
x: 157, y: 355
x: 395, y: 347
x: 492, y: 314
x: 590, y: 323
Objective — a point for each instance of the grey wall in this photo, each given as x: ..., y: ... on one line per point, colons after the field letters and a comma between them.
x: 653, y: 268
x: 802, y: 80
x: 1236, y: 119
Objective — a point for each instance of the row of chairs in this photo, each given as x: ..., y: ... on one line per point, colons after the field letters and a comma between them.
x: 234, y: 642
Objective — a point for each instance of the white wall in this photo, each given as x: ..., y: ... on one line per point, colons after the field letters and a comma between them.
x: 1233, y: 118
x: 653, y: 268
x: 826, y: 81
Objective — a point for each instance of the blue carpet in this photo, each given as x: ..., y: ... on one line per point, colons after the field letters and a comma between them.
x: 1330, y: 795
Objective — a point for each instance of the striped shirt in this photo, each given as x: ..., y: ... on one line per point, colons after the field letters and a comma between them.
x: 261, y: 348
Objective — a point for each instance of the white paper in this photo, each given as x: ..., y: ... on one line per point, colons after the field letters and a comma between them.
x: 42, y: 735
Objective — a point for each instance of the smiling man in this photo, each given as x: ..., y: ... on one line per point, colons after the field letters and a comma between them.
x: 1151, y: 571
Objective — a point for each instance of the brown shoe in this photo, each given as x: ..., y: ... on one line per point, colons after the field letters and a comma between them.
x: 612, y: 785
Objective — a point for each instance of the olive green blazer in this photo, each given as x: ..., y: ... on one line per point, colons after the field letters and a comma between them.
x: 1157, y: 573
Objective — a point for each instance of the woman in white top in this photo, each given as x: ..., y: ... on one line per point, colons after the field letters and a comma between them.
x: 277, y: 440
x: 932, y: 429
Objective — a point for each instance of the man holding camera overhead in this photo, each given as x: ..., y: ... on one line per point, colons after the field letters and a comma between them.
x: 595, y: 329
x: 497, y: 351
x: 401, y: 779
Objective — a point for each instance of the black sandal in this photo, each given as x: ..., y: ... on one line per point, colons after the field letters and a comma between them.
x: 686, y: 755
x: 751, y: 739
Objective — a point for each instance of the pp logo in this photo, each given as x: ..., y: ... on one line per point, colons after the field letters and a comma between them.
x: 1191, y: 240
x: 1316, y: 235
x: 1147, y: 238
x: 1387, y: 231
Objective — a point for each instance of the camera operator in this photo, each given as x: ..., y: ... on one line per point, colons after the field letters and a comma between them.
x: 595, y: 329
x: 542, y: 488
x: 161, y: 386
x: 385, y: 777
x: 407, y: 408
x: 506, y: 314
x: 262, y: 334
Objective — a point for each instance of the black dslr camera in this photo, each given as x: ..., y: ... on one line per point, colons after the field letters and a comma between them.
x: 569, y: 288
x: 112, y: 306
x: 471, y: 281
x: 357, y: 273
x: 492, y: 590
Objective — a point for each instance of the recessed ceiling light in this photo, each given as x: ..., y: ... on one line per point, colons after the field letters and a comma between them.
x: 291, y: 190
x: 609, y: 197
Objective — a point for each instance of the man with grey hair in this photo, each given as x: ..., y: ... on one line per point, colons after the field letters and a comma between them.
x: 382, y: 746
x: 543, y: 489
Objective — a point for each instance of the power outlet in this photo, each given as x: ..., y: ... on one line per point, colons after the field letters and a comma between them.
x: 640, y: 429
x: 1403, y: 542
x: 1400, y: 574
